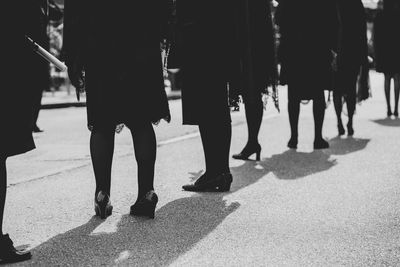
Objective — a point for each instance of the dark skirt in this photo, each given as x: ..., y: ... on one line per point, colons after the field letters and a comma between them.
x: 118, y: 92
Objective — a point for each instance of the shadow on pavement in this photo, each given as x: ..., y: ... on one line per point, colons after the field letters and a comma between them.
x: 179, y: 225
x: 342, y: 146
x: 388, y: 122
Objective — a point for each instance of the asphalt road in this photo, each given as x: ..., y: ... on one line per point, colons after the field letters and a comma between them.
x: 334, y: 207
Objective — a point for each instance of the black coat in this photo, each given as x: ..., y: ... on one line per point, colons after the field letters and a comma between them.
x: 308, y: 34
x: 353, y: 47
x: 387, y: 41
x: 119, y: 46
x: 225, y: 49
x: 18, y: 64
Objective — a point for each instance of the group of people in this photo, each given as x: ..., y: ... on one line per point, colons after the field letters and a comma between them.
x: 322, y: 46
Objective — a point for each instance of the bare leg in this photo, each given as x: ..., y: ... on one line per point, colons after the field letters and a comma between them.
x: 102, y: 150
x: 351, y: 107
x: 388, y: 79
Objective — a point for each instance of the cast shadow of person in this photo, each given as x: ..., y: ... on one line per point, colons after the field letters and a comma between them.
x: 179, y: 225
x: 292, y: 164
x: 388, y: 122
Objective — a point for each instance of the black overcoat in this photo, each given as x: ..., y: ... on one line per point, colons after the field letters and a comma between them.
x: 308, y: 34
x: 119, y: 46
x: 387, y: 41
x: 17, y: 64
x: 226, y: 49
x: 353, y: 47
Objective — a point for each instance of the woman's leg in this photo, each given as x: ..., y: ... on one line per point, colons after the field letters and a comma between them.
x: 319, y: 106
x: 145, y: 145
x: 294, y: 112
x: 102, y: 150
x: 216, y: 140
x: 351, y: 99
x: 254, y: 114
x: 388, y: 79
x: 3, y: 191
x: 396, y: 94
x: 337, y: 101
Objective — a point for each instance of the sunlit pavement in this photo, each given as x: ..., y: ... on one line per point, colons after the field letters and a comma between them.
x: 333, y: 207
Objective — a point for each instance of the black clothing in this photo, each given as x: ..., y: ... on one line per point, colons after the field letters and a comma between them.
x: 16, y: 92
x: 205, y: 58
x: 309, y: 32
x: 119, y: 47
x: 254, y: 49
x: 353, y: 47
x: 387, y: 41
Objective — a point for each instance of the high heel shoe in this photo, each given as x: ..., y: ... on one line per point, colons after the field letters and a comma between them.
x: 247, y: 151
x: 396, y: 114
x: 340, y: 129
x: 218, y: 183
x: 9, y: 254
x: 146, y: 205
x: 102, y: 205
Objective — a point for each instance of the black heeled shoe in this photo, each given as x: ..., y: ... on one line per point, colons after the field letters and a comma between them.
x: 320, y: 143
x: 145, y: 206
x: 350, y: 130
x: 389, y: 113
x: 340, y: 129
x: 218, y: 183
x: 292, y: 144
x: 9, y: 254
x: 102, y: 205
x: 247, y: 151
x: 396, y: 114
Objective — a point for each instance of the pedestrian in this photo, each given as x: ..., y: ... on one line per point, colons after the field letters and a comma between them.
x: 387, y: 50
x: 308, y: 41
x: 352, y: 56
x: 42, y: 12
x: 207, y: 33
x: 255, y: 54
x: 16, y: 107
x: 117, y: 48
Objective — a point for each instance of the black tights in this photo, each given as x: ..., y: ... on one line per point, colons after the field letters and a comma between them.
x: 319, y: 106
x: 254, y: 115
x: 3, y: 190
x: 216, y: 139
x: 350, y: 99
x: 388, y: 79
x: 102, y: 150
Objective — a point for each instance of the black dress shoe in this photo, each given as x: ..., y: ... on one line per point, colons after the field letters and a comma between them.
x: 146, y: 205
x: 102, y: 205
x: 206, y: 183
x: 247, y: 151
x: 292, y: 143
x: 320, y: 144
x: 36, y: 129
x: 9, y: 254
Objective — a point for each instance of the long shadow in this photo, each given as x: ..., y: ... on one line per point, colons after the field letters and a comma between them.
x: 388, y: 122
x: 180, y: 224
x: 342, y: 146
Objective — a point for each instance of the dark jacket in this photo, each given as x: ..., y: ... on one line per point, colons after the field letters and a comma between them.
x: 308, y: 35
x: 118, y: 45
